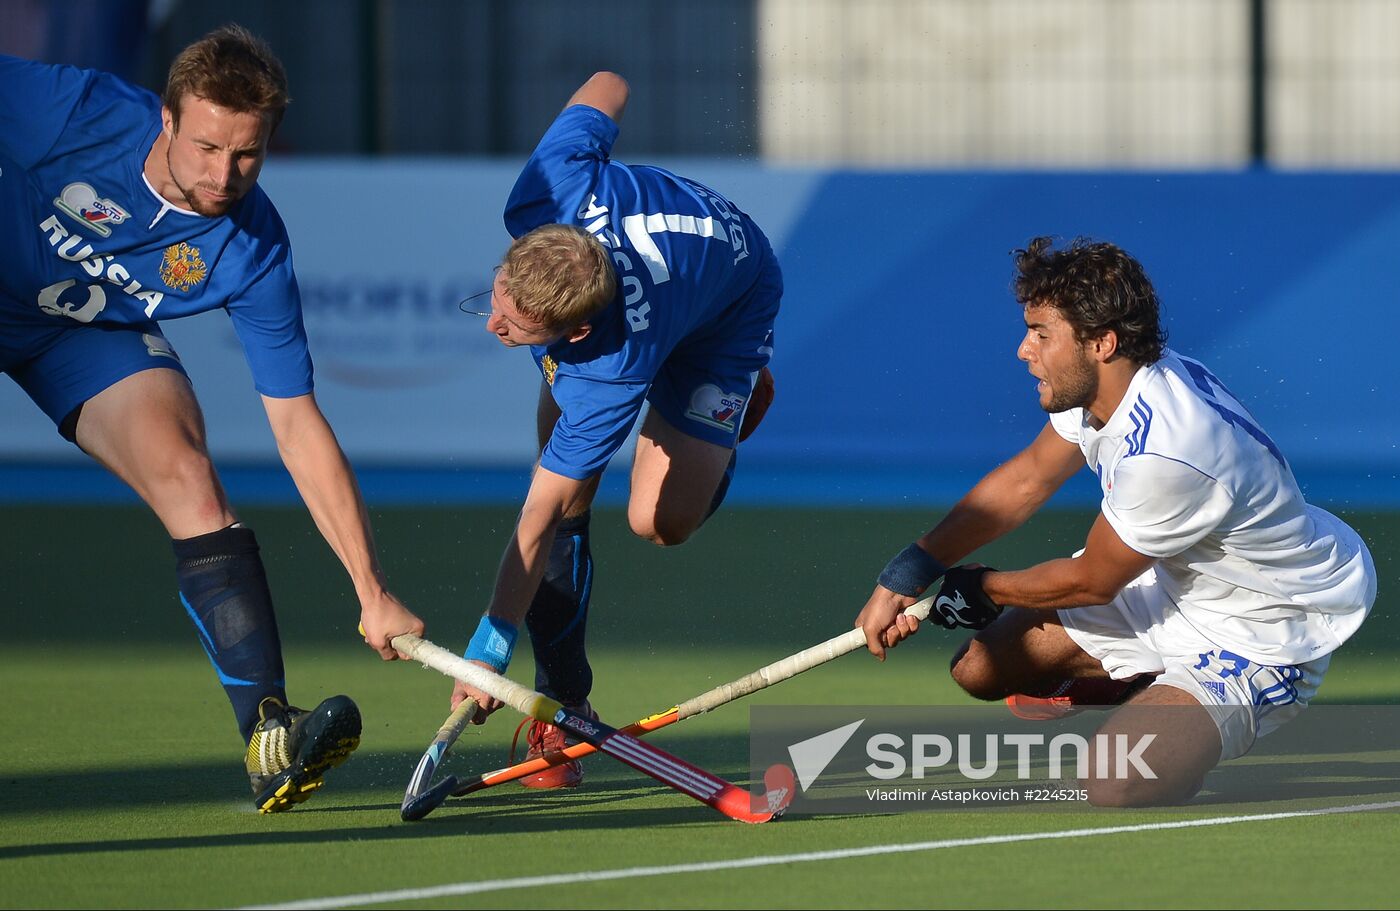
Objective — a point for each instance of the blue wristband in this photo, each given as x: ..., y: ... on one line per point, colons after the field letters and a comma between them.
x: 911, y: 571
x: 493, y: 643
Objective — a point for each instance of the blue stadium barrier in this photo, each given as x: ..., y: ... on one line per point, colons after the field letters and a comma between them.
x: 895, y: 359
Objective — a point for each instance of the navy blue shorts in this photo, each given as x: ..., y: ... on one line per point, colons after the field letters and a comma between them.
x: 60, y: 367
x: 703, y: 387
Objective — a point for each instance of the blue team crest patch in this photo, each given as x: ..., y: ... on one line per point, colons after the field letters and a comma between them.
x: 80, y: 202
x: 711, y: 405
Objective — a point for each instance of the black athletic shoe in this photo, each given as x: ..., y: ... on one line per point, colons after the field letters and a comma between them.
x: 291, y: 749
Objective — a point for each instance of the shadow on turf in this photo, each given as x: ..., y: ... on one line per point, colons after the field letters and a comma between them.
x: 1261, y: 783
x: 510, y: 811
x: 524, y: 819
x: 137, y: 786
x: 509, y: 796
x: 504, y: 809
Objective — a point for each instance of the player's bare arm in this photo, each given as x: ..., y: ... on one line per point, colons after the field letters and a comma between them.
x: 552, y: 496
x: 999, y: 503
x: 604, y: 91
x: 313, y: 457
x: 1096, y: 576
x: 1005, y: 499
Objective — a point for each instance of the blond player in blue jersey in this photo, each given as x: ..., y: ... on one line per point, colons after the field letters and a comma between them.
x: 630, y: 286
x: 119, y: 210
x: 1209, y: 596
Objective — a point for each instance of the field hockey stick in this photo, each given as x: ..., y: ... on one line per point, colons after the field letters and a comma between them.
x: 418, y: 798
x: 731, y: 800
x: 764, y: 677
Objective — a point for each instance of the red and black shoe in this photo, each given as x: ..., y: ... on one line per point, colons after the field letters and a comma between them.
x: 541, y: 739
x: 1076, y: 695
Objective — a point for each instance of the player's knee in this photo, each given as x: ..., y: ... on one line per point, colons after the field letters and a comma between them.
x: 185, y: 476
x: 1149, y: 780
x: 1137, y: 791
x: 973, y: 670
x: 662, y: 534
x: 185, y: 468
x: 660, y: 527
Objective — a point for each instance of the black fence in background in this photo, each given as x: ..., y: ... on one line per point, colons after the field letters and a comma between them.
x: 485, y: 77
x: 1319, y: 78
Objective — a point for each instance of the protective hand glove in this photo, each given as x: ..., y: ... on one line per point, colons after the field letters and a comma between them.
x: 961, y: 601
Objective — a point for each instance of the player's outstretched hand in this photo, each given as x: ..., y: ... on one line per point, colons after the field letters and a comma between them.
x: 884, y: 622
x: 961, y: 602
x: 384, y: 617
x: 485, y: 704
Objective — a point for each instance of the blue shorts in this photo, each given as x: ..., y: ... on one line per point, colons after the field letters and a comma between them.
x: 60, y: 367
x: 703, y: 387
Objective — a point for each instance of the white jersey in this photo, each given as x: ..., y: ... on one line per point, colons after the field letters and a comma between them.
x: 1188, y: 477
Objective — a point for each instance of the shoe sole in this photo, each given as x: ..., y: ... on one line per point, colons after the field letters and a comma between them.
x: 1034, y: 708
x: 549, y: 782
x: 339, y: 735
x: 1031, y: 708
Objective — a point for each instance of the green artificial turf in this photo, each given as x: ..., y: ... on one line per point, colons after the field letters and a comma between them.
x: 121, y: 781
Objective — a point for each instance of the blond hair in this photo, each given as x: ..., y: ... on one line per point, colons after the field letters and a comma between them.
x: 233, y: 68
x: 560, y: 275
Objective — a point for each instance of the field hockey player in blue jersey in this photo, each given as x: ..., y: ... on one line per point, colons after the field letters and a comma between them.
x: 629, y: 286
x: 119, y: 210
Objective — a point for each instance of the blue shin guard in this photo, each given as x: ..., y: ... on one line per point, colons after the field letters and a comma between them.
x: 559, y: 615
x: 224, y: 590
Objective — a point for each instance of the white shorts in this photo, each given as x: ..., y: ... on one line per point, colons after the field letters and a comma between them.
x: 1142, y: 632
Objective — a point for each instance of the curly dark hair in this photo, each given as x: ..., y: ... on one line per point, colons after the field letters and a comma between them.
x: 1095, y: 287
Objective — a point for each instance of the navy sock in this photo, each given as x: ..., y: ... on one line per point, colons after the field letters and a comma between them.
x: 559, y: 614
x: 224, y: 590
x: 723, y: 487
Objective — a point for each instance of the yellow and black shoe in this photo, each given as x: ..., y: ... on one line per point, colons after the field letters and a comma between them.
x: 291, y: 749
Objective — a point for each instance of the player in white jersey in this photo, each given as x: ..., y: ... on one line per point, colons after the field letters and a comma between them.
x: 1206, y: 584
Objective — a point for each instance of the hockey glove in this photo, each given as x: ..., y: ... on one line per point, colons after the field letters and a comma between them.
x: 961, y: 601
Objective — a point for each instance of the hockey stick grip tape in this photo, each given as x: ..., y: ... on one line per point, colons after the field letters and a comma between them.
x: 521, y: 698
x: 452, y: 728
x: 787, y: 667
x: 437, y: 750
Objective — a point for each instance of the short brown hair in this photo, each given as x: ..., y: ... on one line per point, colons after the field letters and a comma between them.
x: 1095, y: 287
x: 560, y: 275
x: 233, y: 68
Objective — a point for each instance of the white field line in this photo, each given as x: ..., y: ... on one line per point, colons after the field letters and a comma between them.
x: 740, y: 863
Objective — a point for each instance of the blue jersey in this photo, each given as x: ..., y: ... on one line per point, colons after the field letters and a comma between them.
x: 684, y: 256
x: 86, y: 239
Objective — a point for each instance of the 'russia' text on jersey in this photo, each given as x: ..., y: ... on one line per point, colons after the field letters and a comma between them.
x: 85, y: 239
